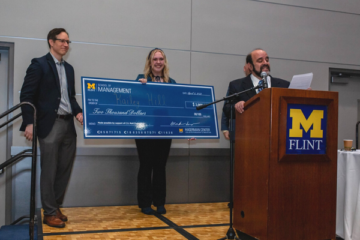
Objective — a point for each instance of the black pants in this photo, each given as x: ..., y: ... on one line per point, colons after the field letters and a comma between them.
x: 153, y: 154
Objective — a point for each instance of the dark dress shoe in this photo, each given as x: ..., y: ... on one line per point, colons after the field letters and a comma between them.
x: 161, y: 210
x: 147, y: 210
x: 61, y: 216
x: 53, y: 221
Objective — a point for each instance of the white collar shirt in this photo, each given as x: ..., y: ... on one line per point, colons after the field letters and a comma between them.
x: 255, y: 81
x: 64, y: 106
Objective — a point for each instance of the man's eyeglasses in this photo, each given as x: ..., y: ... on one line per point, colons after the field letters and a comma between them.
x: 63, y: 40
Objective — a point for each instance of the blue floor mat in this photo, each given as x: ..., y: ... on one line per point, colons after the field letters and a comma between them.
x: 16, y: 232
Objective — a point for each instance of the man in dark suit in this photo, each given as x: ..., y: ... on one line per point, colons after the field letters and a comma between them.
x: 49, y: 85
x: 224, y: 119
x: 259, y: 63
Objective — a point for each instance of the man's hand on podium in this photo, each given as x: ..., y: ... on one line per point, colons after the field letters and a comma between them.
x: 240, y: 106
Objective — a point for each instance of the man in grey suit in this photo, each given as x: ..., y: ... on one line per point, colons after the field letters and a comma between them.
x: 49, y: 84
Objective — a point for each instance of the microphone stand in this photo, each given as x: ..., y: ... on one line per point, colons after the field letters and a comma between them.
x: 230, y: 97
x: 231, y: 232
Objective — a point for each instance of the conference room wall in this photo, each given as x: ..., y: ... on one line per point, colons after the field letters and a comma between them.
x: 117, y: 62
x: 220, y: 69
x: 206, y: 68
x: 286, y: 32
x: 206, y: 42
x: 107, y: 176
x: 111, y: 39
x: 142, y: 23
x: 348, y: 6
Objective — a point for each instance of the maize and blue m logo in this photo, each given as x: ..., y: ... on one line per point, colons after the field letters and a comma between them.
x: 306, y: 129
x: 91, y: 87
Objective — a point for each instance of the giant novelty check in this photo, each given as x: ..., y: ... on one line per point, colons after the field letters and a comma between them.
x: 129, y: 109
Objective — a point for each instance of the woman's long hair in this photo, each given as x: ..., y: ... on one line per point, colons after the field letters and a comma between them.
x: 148, y: 70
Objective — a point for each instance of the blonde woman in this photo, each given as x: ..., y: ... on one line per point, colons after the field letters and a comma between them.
x: 153, y: 153
x: 156, y: 68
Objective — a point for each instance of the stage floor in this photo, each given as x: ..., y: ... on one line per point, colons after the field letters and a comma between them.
x: 182, y: 221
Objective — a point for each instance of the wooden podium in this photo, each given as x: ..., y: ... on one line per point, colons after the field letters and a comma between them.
x: 281, y: 196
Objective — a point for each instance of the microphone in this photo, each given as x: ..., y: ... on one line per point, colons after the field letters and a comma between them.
x: 264, y: 77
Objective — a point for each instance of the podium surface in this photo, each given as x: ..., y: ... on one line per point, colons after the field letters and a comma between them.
x: 285, y: 165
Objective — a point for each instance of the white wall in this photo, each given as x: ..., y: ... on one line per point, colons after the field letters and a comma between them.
x: 206, y: 41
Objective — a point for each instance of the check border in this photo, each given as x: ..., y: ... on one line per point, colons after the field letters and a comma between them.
x: 92, y: 136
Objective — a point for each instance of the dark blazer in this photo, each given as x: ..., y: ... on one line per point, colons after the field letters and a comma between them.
x: 224, y: 118
x: 242, y: 84
x: 150, y: 80
x: 41, y: 87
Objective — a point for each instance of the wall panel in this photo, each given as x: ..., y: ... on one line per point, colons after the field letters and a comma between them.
x: 216, y: 70
x: 237, y: 27
x: 348, y: 6
x: 95, y: 60
x: 108, y: 176
x: 128, y: 22
x: 206, y: 42
x: 219, y: 70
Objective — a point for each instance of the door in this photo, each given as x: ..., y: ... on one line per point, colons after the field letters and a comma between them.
x: 4, y: 68
x: 347, y: 83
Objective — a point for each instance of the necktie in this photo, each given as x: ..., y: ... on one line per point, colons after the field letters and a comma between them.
x: 261, y: 82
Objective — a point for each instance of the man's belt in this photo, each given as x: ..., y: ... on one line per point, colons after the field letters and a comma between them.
x: 65, y: 117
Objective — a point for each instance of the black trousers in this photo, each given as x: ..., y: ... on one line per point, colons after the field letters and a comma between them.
x: 153, y: 154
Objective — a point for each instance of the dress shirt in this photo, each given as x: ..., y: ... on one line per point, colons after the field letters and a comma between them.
x: 64, y: 107
x: 255, y: 81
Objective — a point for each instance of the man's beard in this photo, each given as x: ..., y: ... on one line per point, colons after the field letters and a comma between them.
x: 261, y: 68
